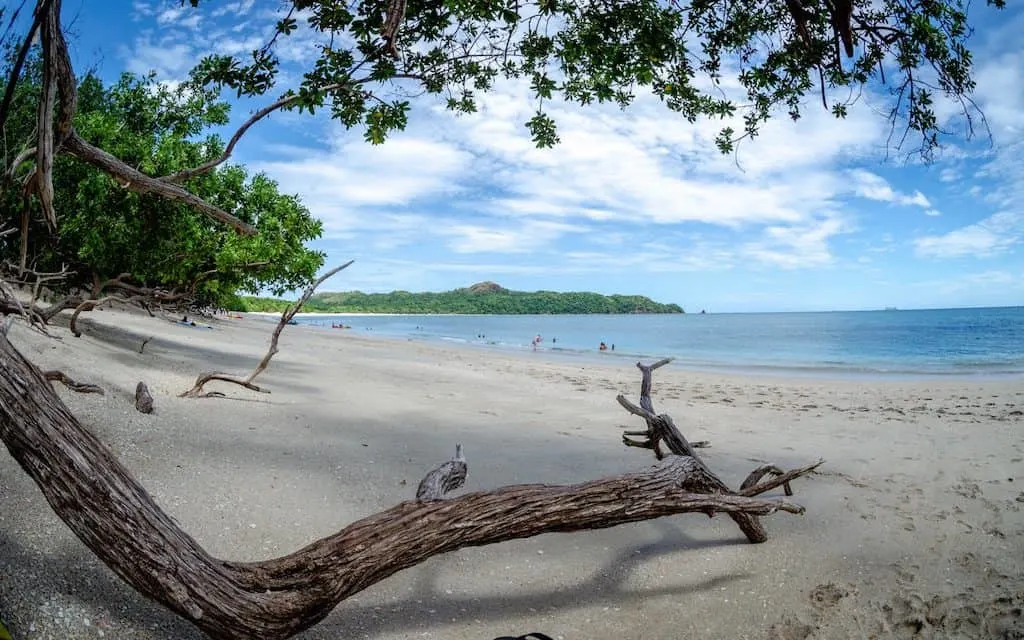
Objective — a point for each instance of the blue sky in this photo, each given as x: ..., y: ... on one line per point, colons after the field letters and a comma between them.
x: 634, y: 202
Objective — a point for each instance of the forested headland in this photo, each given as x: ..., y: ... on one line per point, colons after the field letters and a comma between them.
x: 481, y: 298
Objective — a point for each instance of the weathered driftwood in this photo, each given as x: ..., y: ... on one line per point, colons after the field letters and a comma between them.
x: 197, y: 389
x: 89, y: 305
x: 448, y: 477
x: 661, y: 429
x: 63, y: 378
x: 143, y: 398
x: 113, y: 515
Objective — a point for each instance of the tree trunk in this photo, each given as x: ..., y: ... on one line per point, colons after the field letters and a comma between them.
x: 96, y: 496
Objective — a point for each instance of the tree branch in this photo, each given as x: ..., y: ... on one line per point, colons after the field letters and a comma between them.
x: 136, y: 181
x: 89, y: 305
x: 80, y: 387
x: 45, y: 146
x: 42, y: 8
x: 197, y: 389
x: 187, y: 174
x: 661, y: 428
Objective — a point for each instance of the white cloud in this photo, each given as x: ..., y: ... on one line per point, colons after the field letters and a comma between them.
x: 170, y: 59
x: 650, y: 165
x: 872, y: 186
x: 180, y: 15
x: 237, y: 9
x: 526, y: 238
x: 343, y: 186
x: 796, y: 246
x: 983, y: 239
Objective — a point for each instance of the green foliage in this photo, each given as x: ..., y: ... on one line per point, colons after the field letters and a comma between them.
x: 587, y: 51
x: 257, y: 304
x: 105, y: 230
x: 472, y: 300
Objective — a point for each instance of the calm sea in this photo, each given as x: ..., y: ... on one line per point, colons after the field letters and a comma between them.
x: 987, y: 341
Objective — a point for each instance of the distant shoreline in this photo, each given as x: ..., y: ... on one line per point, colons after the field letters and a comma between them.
x: 310, y: 314
x: 739, y: 344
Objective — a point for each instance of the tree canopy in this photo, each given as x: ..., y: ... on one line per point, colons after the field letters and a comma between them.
x: 375, y: 55
x: 105, y: 230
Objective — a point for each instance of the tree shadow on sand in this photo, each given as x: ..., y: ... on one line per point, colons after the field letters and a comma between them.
x: 81, y: 578
x: 429, y: 607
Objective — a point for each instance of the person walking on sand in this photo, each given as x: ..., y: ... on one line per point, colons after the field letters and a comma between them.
x: 536, y: 341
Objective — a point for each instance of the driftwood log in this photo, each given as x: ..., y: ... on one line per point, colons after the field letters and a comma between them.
x: 662, y: 429
x: 67, y: 381
x: 100, y: 501
x: 286, y: 317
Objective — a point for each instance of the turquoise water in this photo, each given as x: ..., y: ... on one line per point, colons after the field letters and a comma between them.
x: 987, y: 341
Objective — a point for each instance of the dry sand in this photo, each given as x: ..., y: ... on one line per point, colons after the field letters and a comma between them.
x: 915, y: 525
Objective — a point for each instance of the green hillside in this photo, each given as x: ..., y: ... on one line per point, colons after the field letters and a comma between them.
x: 483, y: 298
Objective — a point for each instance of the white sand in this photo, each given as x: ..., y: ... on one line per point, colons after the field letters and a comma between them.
x: 916, y: 522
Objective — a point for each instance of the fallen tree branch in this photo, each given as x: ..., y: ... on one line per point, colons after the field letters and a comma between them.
x: 661, y: 429
x: 11, y: 307
x: 197, y: 389
x: 750, y: 487
x: 89, y: 305
x: 80, y: 387
x: 97, y: 497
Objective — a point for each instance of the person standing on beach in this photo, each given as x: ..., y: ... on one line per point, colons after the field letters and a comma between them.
x: 536, y: 341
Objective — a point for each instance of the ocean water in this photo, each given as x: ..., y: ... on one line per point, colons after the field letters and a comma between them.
x: 935, y: 342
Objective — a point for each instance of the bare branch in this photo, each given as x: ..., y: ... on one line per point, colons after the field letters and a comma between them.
x: 45, y: 146
x: 18, y: 161
x: 89, y: 305
x: 661, y: 428
x: 63, y: 378
x: 782, y: 478
x: 42, y: 9
x: 186, y: 174
x: 197, y: 389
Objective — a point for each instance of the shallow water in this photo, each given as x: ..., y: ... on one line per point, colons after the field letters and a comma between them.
x: 941, y: 342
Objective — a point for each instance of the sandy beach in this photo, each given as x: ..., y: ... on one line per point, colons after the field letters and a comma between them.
x: 914, y: 526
